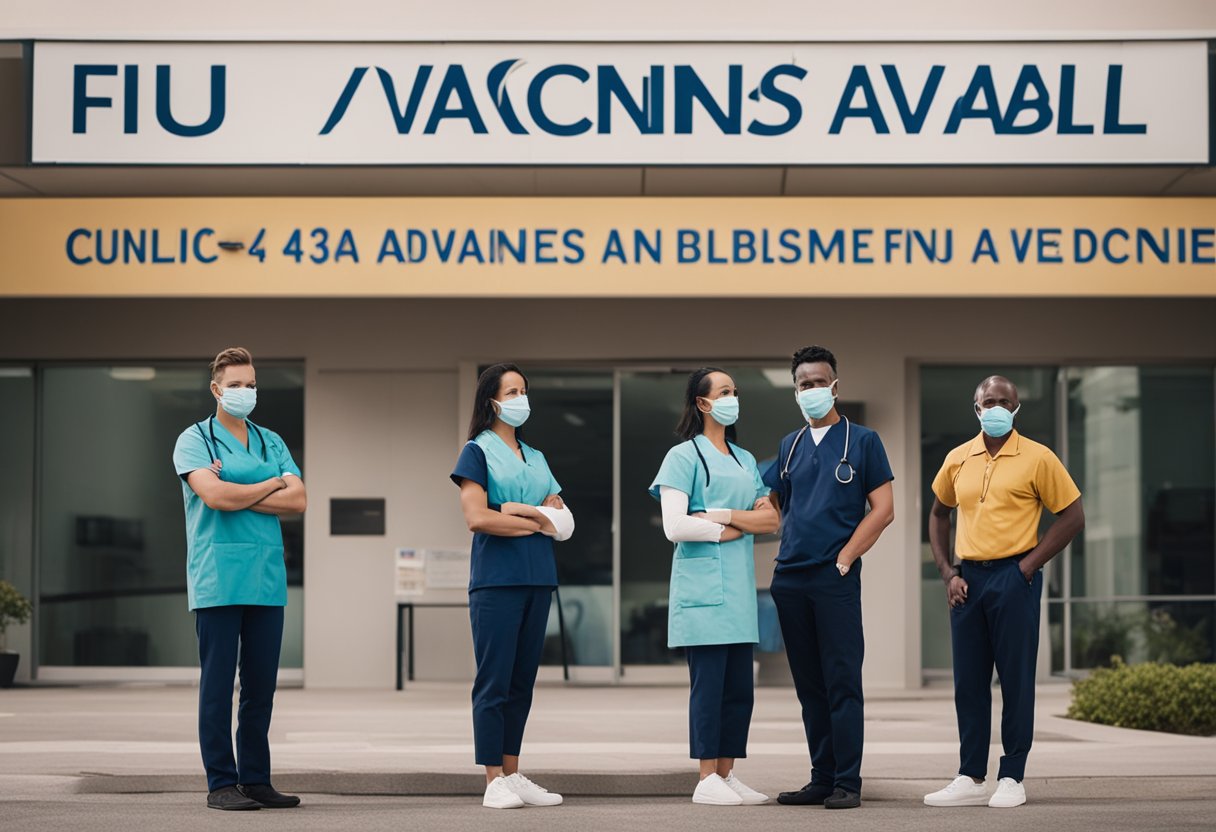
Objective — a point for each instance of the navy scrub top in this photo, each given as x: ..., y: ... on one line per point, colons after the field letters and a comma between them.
x: 819, y: 513
x: 508, y: 561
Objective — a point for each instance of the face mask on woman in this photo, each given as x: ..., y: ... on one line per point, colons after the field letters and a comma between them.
x: 514, y: 411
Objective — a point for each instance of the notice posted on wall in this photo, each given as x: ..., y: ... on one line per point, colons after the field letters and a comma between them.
x: 411, y: 571
x: 419, y: 570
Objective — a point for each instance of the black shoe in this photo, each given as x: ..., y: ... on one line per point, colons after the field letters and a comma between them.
x: 231, y: 800
x: 265, y: 795
x: 841, y: 799
x: 812, y: 794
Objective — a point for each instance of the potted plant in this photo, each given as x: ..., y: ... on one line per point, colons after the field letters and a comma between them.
x: 14, y: 609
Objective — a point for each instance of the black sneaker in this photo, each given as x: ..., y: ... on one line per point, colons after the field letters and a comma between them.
x: 265, y: 795
x: 230, y: 799
x: 812, y: 794
x: 842, y: 799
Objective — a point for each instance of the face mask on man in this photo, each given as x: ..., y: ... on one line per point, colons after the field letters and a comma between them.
x: 239, y: 402
x: 996, y: 421
x: 817, y: 402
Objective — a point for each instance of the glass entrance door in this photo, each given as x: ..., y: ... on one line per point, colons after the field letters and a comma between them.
x: 650, y: 403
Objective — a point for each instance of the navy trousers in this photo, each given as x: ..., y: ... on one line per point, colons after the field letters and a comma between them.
x: 508, y: 636
x: 997, y: 626
x: 720, y: 700
x: 820, y: 614
x: 247, y: 637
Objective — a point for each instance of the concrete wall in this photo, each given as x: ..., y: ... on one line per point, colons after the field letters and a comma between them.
x: 781, y: 20
x: 384, y: 394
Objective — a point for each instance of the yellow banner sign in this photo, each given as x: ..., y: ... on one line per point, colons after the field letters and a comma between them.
x: 607, y: 247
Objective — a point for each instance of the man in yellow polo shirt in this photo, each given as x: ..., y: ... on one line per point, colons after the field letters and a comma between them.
x: 1000, y: 482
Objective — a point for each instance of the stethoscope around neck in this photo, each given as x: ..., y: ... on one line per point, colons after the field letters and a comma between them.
x: 214, y: 445
x: 844, y: 463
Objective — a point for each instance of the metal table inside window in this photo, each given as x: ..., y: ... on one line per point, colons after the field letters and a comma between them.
x: 405, y: 644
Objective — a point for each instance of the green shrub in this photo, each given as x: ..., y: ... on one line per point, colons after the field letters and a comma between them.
x: 14, y: 609
x: 1151, y: 697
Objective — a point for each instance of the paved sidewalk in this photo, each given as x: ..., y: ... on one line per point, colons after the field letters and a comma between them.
x: 581, y: 741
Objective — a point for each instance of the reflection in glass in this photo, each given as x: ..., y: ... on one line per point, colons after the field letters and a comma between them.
x: 1177, y: 632
x: 571, y: 423
x: 112, y: 554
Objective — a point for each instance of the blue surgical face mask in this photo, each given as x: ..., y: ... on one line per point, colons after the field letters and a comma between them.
x: 725, y: 410
x: 817, y: 402
x: 514, y: 411
x: 239, y: 402
x: 997, y: 421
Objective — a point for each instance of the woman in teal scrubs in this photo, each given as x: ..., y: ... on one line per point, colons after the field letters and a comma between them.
x: 237, y: 480
x: 511, y: 504
x: 713, y: 503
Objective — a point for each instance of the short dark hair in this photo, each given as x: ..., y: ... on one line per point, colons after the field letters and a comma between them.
x: 692, y: 421
x: 488, y: 383
x: 813, y: 354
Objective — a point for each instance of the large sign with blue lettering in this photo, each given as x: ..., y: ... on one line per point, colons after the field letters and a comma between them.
x: 621, y: 104
x: 628, y: 247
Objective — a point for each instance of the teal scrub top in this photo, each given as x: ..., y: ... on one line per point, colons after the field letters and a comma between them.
x: 508, y: 561
x: 713, y: 585
x: 233, y: 557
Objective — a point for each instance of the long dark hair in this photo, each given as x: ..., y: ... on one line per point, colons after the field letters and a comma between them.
x: 488, y: 383
x: 692, y: 422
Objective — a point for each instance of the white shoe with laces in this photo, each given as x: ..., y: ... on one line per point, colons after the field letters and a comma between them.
x: 1009, y: 793
x: 500, y: 796
x: 530, y: 793
x: 713, y: 791
x: 962, y: 792
x: 750, y: 796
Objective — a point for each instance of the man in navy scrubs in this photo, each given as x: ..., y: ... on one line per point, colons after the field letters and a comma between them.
x: 826, y: 475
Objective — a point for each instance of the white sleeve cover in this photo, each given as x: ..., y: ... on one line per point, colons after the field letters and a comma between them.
x: 562, y: 520
x: 678, y: 526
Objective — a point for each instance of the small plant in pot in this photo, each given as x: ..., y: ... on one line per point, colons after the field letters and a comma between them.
x: 14, y: 609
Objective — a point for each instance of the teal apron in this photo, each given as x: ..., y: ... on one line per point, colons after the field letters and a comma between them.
x: 713, y: 585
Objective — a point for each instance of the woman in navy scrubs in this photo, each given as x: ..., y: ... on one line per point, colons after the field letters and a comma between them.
x: 511, y: 504
x: 714, y: 502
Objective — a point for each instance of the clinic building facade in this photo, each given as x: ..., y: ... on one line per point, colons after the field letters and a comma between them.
x: 369, y: 315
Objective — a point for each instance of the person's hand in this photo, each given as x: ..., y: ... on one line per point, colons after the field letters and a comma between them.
x: 762, y: 504
x: 730, y: 533
x: 843, y: 567
x: 216, y: 467
x: 1029, y: 578
x: 554, y: 501
x: 956, y: 591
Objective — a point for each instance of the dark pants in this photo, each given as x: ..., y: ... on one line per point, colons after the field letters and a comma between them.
x: 508, y: 636
x: 720, y: 700
x: 998, y: 625
x: 228, y: 637
x: 820, y: 614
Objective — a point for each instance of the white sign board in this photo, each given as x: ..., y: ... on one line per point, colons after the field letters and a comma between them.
x: 621, y: 104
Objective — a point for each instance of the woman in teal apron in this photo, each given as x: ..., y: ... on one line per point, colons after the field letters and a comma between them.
x: 713, y: 503
x: 237, y: 480
x: 511, y: 504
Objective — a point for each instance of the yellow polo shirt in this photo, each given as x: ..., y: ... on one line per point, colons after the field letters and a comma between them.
x: 1000, y: 499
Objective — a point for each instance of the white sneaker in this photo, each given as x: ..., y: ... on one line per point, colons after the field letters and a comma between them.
x: 750, y: 796
x: 1009, y: 793
x: 500, y: 796
x: 962, y: 792
x: 530, y: 793
x: 713, y: 791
